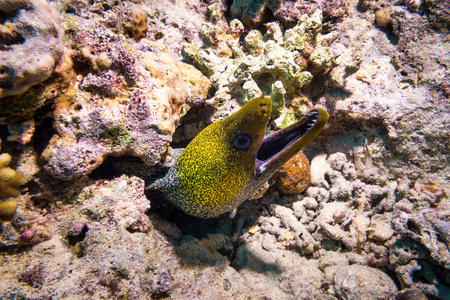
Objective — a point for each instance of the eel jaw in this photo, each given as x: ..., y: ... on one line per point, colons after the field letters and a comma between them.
x: 276, y: 149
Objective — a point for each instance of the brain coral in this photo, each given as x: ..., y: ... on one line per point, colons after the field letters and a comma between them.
x: 30, y: 44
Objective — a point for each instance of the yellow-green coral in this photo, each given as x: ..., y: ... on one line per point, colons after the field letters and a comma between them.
x: 8, y: 210
x: 10, y: 181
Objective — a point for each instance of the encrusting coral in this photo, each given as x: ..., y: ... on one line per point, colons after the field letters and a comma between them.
x: 244, y: 67
x: 31, y: 44
x: 35, y: 66
x: 255, y: 13
x: 129, y: 103
x: 139, y: 19
x: 10, y: 182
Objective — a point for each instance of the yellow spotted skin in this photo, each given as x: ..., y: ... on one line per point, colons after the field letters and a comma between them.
x: 210, y: 172
x: 215, y: 173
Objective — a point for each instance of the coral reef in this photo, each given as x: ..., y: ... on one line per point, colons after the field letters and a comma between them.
x: 360, y: 282
x: 255, y: 13
x: 18, y: 226
x: 35, y: 67
x: 109, y: 241
x: 33, y: 34
x: 140, y: 121
x: 373, y: 224
x: 414, y: 74
x: 272, y: 64
x: 10, y: 182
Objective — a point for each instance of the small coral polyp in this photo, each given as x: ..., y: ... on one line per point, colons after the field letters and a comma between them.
x: 10, y: 181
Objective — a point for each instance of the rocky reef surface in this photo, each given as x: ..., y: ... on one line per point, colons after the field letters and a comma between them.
x: 88, y: 85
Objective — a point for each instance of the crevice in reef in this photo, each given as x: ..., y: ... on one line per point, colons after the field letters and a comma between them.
x: 194, y: 121
x: 113, y: 167
x: 74, y: 239
x: 42, y: 135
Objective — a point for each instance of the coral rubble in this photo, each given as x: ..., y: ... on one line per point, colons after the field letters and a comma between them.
x: 84, y: 80
x: 255, y: 13
x: 273, y: 63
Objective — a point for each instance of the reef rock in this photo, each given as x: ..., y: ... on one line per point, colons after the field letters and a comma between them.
x: 128, y: 104
x: 274, y: 64
x: 376, y: 89
x: 362, y: 282
x: 31, y: 44
x: 380, y: 228
x: 255, y: 13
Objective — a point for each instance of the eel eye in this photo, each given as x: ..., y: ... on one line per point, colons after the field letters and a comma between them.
x: 242, y: 142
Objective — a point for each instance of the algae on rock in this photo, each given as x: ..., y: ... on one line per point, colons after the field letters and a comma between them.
x: 265, y: 60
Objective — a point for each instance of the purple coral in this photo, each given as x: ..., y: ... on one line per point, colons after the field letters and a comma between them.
x: 123, y: 61
x: 102, y: 41
x: 107, y: 84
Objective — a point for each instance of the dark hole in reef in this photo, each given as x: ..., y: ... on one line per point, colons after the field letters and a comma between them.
x: 159, y: 295
x: 412, y: 225
x: 318, y: 86
x: 14, y: 38
x: 159, y: 35
x: 3, y: 132
x: 42, y: 134
x: 403, y: 73
x: 70, y: 9
x: 113, y: 167
x: 106, y: 7
x: 80, y: 65
x: 392, y: 38
x: 389, y: 31
x: 4, y: 16
x: 377, y: 200
x: 74, y: 239
x: 227, y: 13
x: 195, y: 120
x: 441, y: 238
x: 131, y: 230
x: 33, y: 188
x: 419, y: 276
x: 6, y: 84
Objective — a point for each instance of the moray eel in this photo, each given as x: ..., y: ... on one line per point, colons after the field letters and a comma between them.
x: 231, y: 159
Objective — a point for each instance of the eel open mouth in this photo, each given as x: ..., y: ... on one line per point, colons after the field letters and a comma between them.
x: 276, y: 149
